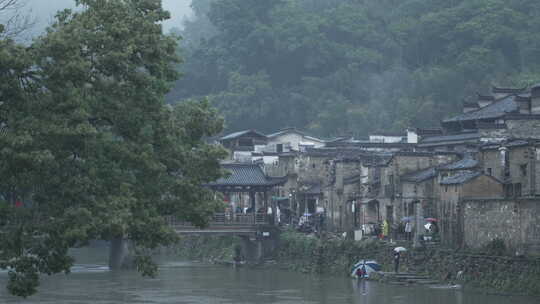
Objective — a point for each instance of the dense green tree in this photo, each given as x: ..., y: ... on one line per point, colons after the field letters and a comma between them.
x: 89, y: 148
x: 354, y: 66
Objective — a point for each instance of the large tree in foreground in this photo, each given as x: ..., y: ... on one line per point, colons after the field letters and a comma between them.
x: 88, y: 149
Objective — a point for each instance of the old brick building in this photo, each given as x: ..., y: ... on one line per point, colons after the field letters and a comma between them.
x: 477, y: 168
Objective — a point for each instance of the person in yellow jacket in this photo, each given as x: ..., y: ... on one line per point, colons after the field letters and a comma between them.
x: 385, y: 229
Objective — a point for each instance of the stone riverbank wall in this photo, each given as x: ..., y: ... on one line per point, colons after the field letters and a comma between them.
x: 491, y: 268
x: 516, y: 222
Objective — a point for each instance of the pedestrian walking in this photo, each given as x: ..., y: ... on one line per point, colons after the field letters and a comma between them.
x: 408, y: 230
x: 397, y: 255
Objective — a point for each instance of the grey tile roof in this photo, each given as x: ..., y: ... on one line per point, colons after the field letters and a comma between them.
x: 245, y: 174
x: 517, y: 143
x: 341, y: 153
x: 429, y: 131
x: 420, y: 176
x: 322, y: 152
x: 509, y: 144
x: 240, y: 133
x: 294, y: 130
x: 460, y: 178
x: 453, y: 137
x: 462, y: 164
x: 497, y: 109
x: 503, y: 90
x: 471, y: 105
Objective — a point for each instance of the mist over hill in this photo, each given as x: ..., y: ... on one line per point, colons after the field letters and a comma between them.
x: 337, y: 67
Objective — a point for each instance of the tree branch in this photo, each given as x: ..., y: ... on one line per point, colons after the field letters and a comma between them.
x: 13, y: 21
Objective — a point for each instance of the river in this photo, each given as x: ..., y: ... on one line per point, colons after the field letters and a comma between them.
x: 186, y: 282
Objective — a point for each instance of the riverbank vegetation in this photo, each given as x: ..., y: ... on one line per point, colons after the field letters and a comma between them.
x: 207, y: 248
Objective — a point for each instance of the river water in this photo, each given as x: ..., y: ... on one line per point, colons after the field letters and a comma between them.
x: 186, y: 282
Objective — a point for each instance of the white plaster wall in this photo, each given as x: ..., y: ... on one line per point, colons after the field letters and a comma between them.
x: 384, y: 139
x: 294, y: 140
x: 242, y: 156
x: 270, y: 160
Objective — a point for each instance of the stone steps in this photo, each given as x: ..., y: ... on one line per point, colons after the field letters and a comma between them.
x: 406, y: 278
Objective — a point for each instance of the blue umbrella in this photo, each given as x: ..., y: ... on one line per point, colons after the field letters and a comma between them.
x: 366, y: 268
x: 407, y: 218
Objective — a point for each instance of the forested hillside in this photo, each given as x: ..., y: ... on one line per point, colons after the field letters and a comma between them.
x: 337, y: 67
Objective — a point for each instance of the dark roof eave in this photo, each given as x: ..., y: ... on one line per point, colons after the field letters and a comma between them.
x: 445, y: 143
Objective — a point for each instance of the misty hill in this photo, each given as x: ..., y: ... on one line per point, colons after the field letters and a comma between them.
x: 353, y: 66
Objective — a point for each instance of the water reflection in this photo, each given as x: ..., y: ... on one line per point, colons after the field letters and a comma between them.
x: 182, y: 282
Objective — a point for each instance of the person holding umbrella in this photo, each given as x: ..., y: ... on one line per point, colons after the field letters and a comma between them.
x: 396, y: 261
x: 397, y: 256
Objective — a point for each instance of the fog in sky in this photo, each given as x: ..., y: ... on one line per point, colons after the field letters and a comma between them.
x: 43, y: 12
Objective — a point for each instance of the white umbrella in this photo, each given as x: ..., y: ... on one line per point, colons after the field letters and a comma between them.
x: 399, y: 249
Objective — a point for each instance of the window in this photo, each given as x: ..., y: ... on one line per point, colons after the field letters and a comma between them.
x: 313, y: 166
x: 489, y: 172
x: 279, y: 148
x: 517, y: 189
x: 245, y: 142
x: 509, y: 190
x: 445, y: 188
x: 523, y: 169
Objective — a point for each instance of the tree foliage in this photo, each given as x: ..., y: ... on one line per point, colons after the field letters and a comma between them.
x: 343, y: 66
x: 89, y: 150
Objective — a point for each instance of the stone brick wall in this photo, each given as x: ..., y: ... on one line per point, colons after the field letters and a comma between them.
x: 493, y: 133
x: 526, y: 128
x: 448, y: 207
x: 482, y: 186
x: 342, y: 194
x: 535, y: 170
x: 517, y: 222
x: 519, y: 165
x: 523, y: 165
x: 491, y: 159
x: 314, y: 169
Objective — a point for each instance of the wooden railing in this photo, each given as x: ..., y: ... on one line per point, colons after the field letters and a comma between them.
x: 228, y: 219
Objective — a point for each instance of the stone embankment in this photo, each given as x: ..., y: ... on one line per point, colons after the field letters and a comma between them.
x: 402, y: 278
x: 490, y: 270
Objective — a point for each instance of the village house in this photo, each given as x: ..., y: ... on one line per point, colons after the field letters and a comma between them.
x: 515, y: 163
x: 455, y: 188
x: 242, y: 144
x: 253, y: 146
x: 483, y: 161
x: 291, y: 139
